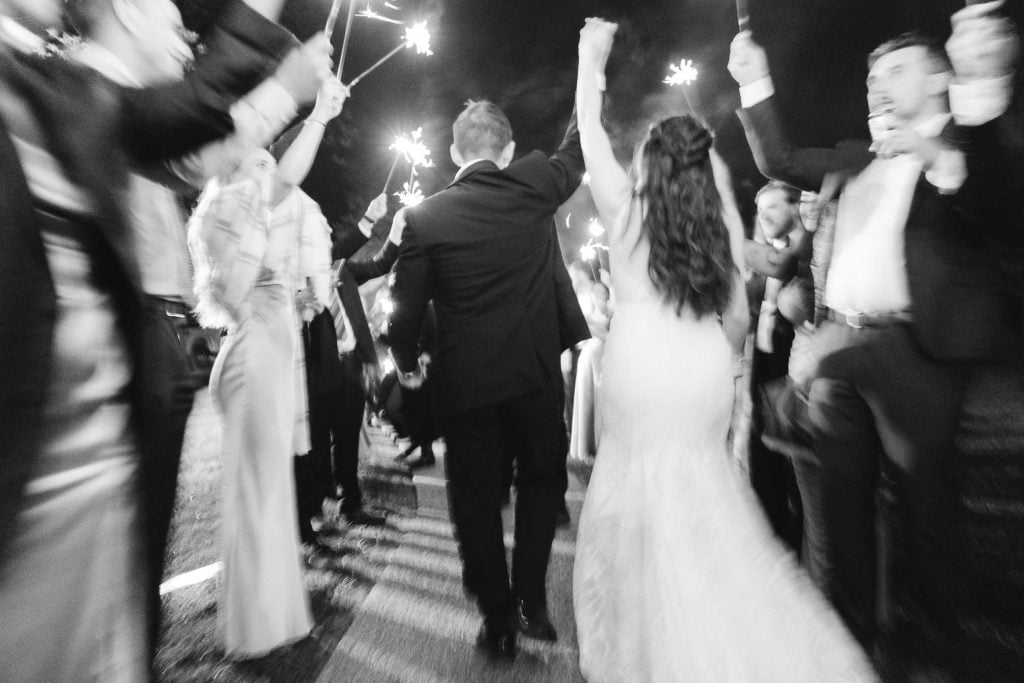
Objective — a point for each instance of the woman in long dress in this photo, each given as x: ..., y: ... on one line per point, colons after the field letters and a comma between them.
x: 258, y: 240
x: 677, y: 575
x: 586, y: 419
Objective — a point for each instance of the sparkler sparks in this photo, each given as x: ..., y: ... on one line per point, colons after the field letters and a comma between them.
x: 682, y: 74
x: 595, y: 227
x: 588, y: 252
x: 410, y: 194
x: 387, y: 305
x: 418, y: 36
x: 413, y: 149
x: 369, y: 13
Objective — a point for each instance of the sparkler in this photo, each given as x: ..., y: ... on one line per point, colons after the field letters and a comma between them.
x: 344, y: 42
x: 410, y: 194
x: 595, y: 227
x: 369, y: 13
x: 332, y: 19
x: 387, y: 305
x: 413, y: 150
x: 743, y: 15
x: 590, y: 252
x: 416, y: 36
x: 682, y: 75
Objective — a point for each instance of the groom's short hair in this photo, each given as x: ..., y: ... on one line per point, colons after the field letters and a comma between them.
x: 482, y: 129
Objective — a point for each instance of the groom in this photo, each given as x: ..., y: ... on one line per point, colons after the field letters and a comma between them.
x: 484, y: 251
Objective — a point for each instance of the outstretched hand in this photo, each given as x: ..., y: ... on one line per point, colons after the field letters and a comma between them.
x: 306, y: 67
x: 378, y: 207
x: 398, y: 227
x: 748, y: 62
x: 330, y: 100
x: 983, y: 44
x: 596, y: 38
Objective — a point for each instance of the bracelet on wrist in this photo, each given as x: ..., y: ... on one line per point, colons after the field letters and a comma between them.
x: 367, y: 219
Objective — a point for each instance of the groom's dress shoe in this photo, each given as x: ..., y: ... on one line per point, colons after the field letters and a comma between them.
x: 535, y: 623
x: 497, y: 643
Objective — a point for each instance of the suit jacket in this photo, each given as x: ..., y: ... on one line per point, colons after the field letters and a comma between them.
x: 353, y: 274
x: 484, y: 250
x: 94, y: 128
x: 965, y: 294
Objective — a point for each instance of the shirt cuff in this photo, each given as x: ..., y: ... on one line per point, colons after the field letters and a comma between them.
x: 756, y: 92
x: 262, y: 114
x: 948, y: 172
x: 975, y: 103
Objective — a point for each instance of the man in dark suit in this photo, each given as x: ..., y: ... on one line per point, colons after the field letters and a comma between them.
x: 338, y: 347
x: 483, y: 250
x: 90, y: 129
x: 917, y: 289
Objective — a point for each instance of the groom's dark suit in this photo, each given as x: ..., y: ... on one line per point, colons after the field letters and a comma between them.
x: 897, y: 387
x: 483, y: 250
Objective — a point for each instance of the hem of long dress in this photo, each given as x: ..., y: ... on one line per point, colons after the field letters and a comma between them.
x: 241, y: 656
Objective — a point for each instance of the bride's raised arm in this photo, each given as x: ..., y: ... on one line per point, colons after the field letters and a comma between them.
x: 609, y: 184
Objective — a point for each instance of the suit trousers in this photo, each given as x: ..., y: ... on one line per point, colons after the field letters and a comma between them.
x: 167, y: 390
x: 883, y: 420
x: 477, y: 442
x: 346, y: 425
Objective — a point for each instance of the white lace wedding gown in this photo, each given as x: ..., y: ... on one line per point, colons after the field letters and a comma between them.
x: 677, y: 575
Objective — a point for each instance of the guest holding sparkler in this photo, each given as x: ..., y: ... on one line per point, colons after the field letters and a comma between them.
x: 256, y: 240
x: 340, y: 354
x: 919, y: 289
x: 677, y: 575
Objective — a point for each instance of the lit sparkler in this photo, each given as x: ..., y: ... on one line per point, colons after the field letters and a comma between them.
x: 387, y: 305
x: 332, y: 19
x: 682, y: 74
x: 416, y: 36
x: 595, y: 227
x: 413, y: 149
x: 387, y: 366
x: 410, y: 194
x: 369, y: 13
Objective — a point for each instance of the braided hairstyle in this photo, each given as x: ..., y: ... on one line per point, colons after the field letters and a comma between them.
x: 690, y: 261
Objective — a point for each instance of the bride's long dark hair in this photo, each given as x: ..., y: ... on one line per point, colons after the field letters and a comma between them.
x: 690, y: 261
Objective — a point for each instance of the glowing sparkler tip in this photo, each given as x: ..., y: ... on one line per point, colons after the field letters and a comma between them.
x: 588, y: 252
x: 595, y: 227
x: 413, y: 149
x: 682, y: 74
x: 411, y: 194
x: 387, y: 365
x: 418, y: 36
x: 586, y: 177
x: 387, y: 305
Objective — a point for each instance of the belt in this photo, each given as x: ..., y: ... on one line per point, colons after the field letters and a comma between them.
x: 858, y: 320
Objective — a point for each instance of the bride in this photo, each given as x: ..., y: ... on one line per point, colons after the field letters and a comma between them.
x: 677, y: 575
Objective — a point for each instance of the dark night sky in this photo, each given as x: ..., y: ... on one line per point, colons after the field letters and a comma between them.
x: 521, y: 54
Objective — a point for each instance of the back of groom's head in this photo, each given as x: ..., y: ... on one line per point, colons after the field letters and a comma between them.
x: 481, y: 131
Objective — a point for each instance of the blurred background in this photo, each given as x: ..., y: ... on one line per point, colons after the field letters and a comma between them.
x: 521, y: 54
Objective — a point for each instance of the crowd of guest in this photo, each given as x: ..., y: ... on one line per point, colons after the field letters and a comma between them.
x: 879, y: 276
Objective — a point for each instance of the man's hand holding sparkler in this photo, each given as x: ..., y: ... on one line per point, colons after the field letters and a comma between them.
x: 305, y: 68
x: 329, y: 101
x: 748, y: 62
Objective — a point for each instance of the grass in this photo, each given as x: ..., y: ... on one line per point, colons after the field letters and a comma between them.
x: 189, y: 650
